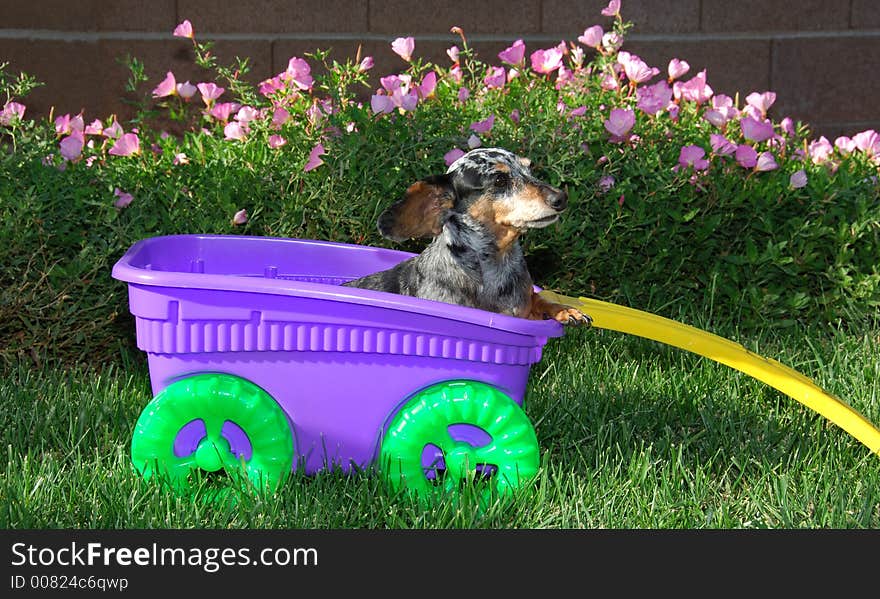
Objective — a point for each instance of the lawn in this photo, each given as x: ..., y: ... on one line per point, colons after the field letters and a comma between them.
x: 633, y: 434
x: 704, y: 207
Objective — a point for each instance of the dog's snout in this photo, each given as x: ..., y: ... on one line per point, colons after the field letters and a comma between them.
x: 556, y: 199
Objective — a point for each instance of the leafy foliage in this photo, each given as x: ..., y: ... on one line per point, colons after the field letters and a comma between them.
x: 316, y: 155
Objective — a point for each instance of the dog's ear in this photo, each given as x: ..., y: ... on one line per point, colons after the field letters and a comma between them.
x: 421, y: 212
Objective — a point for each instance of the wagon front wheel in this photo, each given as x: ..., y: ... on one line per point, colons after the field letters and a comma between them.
x: 458, y: 432
x: 213, y: 422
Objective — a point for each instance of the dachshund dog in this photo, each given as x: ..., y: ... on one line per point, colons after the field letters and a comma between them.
x: 475, y: 212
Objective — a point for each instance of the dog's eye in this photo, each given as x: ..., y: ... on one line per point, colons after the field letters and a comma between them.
x: 500, y: 180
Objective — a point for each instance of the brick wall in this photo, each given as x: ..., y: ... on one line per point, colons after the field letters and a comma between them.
x: 820, y: 56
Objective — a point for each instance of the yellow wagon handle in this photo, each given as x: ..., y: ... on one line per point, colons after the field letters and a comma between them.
x: 650, y: 326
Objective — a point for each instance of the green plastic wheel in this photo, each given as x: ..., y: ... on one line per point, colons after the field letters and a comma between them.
x: 216, y: 404
x: 471, y: 429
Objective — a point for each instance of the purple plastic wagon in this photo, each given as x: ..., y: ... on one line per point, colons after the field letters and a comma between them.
x: 260, y: 360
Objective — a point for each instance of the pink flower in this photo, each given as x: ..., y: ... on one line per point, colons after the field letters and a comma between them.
x: 392, y: 82
x: 403, y: 47
x: 76, y: 123
x: 798, y: 179
x: 127, y: 145
x: 474, y: 142
x: 186, y: 90
x: 223, y: 110
x: 276, y: 141
x: 123, y: 198
x: 787, y: 126
x: 113, y: 130
x: 546, y: 61
x: 180, y: 158
x: 715, y: 117
x: 677, y: 68
x: 722, y: 101
x: 844, y: 144
x: 366, y: 64
x: 12, y: 112
x: 235, y: 131
x: 299, y: 72
x: 407, y: 101
x: 577, y: 57
x: 619, y: 122
x: 746, y: 156
x: 96, y: 127
x: 592, y: 37
x: 72, y: 145
x: 653, y: 98
x: 240, y: 217
x: 62, y: 124
x: 515, y: 115
x: 314, y: 158
x: 721, y: 146
x: 606, y: 182
x: 168, y: 87
x: 612, y: 41
x: 514, y: 54
x: 463, y: 94
x: 755, y: 130
x: 765, y: 162
x: 246, y: 114
x: 270, y: 86
x: 693, y: 156
x: 579, y: 111
x: 210, y: 92
x: 428, y: 85
x: 723, y: 106
x: 314, y: 114
x: 695, y: 89
x: 495, y: 77
x: 452, y: 155
x: 483, y: 126
x: 636, y: 70
x: 185, y: 29
x: 456, y: 73
x: 381, y: 104
x: 866, y: 141
x: 761, y: 102
x: 279, y: 117
x: 820, y: 150
x: 609, y: 82
x: 613, y: 9
x: 453, y: 53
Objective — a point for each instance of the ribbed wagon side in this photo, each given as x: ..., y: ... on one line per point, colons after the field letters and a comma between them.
x: 339, y: 362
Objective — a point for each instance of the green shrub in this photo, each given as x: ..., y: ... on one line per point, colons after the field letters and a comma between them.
x: 660, y: 217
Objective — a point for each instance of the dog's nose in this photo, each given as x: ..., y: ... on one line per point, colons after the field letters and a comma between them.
x: 557, y: 199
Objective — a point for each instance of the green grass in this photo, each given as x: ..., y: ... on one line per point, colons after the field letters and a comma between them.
x: 634, y: 434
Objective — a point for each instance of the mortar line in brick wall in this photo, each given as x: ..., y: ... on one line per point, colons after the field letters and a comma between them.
x: 853, y: 125
x: 88, y: 36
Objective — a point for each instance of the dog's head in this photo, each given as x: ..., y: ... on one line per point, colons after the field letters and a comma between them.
x: 489, y: 185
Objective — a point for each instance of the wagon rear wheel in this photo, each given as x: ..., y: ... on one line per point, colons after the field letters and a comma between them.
x: 458, y: 432
x: 213, y: 422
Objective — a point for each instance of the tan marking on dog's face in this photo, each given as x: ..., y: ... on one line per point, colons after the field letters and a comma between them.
x: 502, y: 168
x: 526, y: 207
x: 492, y: 213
